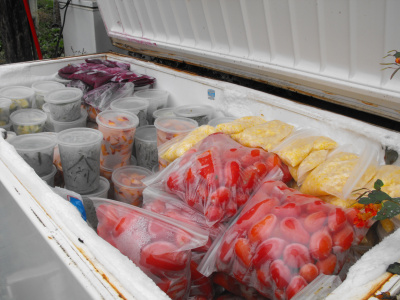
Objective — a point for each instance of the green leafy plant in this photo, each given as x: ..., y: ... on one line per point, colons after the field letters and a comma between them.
x: 383, y: 206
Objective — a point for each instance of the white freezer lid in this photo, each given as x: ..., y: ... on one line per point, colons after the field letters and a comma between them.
x: 330, y: 49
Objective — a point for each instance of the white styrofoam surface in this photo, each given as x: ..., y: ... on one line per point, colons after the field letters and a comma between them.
x: 184, y: 89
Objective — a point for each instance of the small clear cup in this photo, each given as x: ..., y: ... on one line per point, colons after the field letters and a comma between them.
x: 80, y: 158
x: 164, y: 112
x: 49, y: 178
x: 28, y: 120
x: 200, y: 113
x: 64, y: 104
x: 170, y: 127
x: 41, y: 88
x: 146, y: 146
x: 133, y: 105
x: 157, y: 99
x: 128, y: 187
x: 21, y: 96
x: 81, y: 122
x: 118, y: 129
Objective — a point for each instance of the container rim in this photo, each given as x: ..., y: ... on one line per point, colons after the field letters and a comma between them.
x: 143, y: 128
x: 198, y: 110
x: 40, y: 113
x: 76, y: 95
x: 129, y: 114
x: 96, y: 134
x: 33, y: 136
x: 30, y: 91
x: 162, y: 128
x: 145, y: 171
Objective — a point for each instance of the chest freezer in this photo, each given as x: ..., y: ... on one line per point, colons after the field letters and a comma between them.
x: 49, y: 252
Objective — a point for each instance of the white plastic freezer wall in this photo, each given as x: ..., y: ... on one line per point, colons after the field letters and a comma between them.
x: 332, y: 49
x: 48, y: 252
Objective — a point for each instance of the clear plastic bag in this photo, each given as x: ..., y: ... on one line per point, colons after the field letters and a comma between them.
x: 172, y: 149
x: 218, y: 175
x: 266, y: 135
x: 159, y: 245
x: 282, y: 240
x: 343, y: 172
x: 240, y: 124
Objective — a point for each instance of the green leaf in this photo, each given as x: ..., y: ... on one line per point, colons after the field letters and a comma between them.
x: 375, y: 196
x: 394, y: 268
x: 366, y: 200
x: 378, y: 184
x: 389, y: 210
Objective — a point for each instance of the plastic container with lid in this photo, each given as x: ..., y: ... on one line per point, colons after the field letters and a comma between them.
x: 64, y: 104
x: 37, y: 150
x: 133, y: 105
x: 80, y: 158
x: 48, y: 126
x: 81, y: 122
x: 146, y: 146
x: 164, y: 112
x: 5, y: 111
x: 49, y: 178
x: 220, y: 120
x: 29, y: 120
x: 128, y: 186
x: 170, y: 127
x: 41, y: 88
x: 59, y: 79
x: 21, y: 96
x: 157, y: 99
x: 118, y: 128
x: 200, y: 113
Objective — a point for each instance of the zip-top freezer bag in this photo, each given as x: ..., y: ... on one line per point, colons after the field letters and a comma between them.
x: 266, y: 135
x: 240, y: 124
x: 283, y: 239
x: 159, y: 245
x: 201, y: 287
x: 294, y: 149
x: 343, y: 172
x: 218, y: 175
x: 178, y: 146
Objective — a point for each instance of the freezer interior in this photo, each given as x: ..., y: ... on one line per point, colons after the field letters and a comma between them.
x: 49, y: 252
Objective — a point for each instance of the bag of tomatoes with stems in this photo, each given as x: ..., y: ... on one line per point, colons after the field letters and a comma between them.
x: 160, y: 246
x: 282, y: 240
x: 217, y: 176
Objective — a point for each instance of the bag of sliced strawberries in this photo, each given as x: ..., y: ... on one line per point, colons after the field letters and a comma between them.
x: 282, y: 240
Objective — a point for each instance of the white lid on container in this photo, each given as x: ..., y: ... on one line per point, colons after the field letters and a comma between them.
x: 64, y: 95
x: 43, y: 87
x: 28, y: 116
x: 152, y: 94
x: 5, y: 102
x: 80, y: 136
x: 169, y: 124
x: 104, y: 186
x: 164, y: 112
x: 129, y: 104
x: 117, y: 119
x: 17, y: 92
x: 58, y: 78
x: 33, y: 142
x: 127, y: 171
x: 146, y: 133
x: 189, y: 111
x: 84, y: 115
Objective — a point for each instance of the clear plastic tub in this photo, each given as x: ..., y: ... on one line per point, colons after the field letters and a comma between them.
x: 60, y: 126
x: 21, y: 96
x: 164, y: 112
x: 200, y: 113
x: 146, y: 146
x: 80, y: 158
x: 133, y: 105
x: 50, y: 177
x: 157, y: 99
x: 128, y: 187
x: 5, y: 111
x: 37, y: 150
x: 29, y: 120
x: 48, y: 126
x: 170, y: 127
x: 220, y: 120
x: 118, y: 129
x: 64, y: 104
x: 101, y: 191
x: 59, y: 79
x: 42, y: 88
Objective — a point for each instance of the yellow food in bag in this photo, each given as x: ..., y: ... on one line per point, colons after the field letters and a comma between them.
x: 178, y: 149
x: 266, y: 135
x: 390, y: 176
x: 295, y: 152
x: 240, y: 124
x: 294, y: 172
x: 330, y: 177
x: 313, y: 160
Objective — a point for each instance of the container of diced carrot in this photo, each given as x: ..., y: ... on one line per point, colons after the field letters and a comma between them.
x: 128, y: 185
x: 118, y: 130
x: 170, y: 127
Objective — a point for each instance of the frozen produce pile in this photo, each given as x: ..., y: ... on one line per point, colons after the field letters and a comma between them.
x: 252, y: 207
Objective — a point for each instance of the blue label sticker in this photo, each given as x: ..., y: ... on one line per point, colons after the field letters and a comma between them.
x: 211, y: 94
x: 79, y: 205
